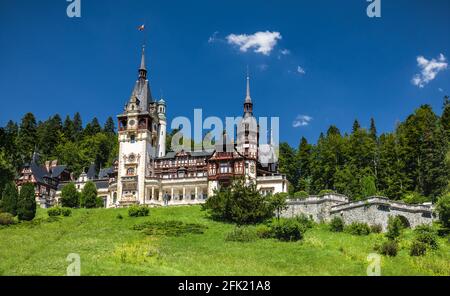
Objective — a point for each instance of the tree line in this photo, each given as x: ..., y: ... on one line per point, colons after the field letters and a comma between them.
x: 69, y: 141
x: 412, y: 163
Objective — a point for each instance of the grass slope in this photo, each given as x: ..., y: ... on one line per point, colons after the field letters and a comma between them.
x: 108, y: 246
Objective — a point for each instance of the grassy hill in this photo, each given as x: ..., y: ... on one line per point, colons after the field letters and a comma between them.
x: 110, y: 246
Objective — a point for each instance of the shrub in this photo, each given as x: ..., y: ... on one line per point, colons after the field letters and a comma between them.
x: 89, y: 196
x: 301, y: 194
x: 53, y: 212
x: 337, y: 224
x: 389, y: 248
x: 394, y: 228
x: 69, y: 196
x: 415, y: 198
x: 6, y: 219
x: 240, y: 203
x: 119, y: 216
x: 326, y: 191
x: 26, y: 206
x: 443, y: 209
x: 279, y: 203
x: 357, y: 228
x: 242, y: 234
x: 426, y: 235
x: 263, y: 231
x: 305, y: 221
x: 418, y: 248
x: 287, y: 230
x: 138, y: 211
x: 368, y: 187
x: 66, y: 212
x: 377, y: 228
x: 9, y: 199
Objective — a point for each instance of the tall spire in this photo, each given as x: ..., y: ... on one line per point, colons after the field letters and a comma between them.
x: 142, y: 68
x: 248, y: 99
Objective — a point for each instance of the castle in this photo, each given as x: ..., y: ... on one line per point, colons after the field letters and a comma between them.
x: 146, y: 174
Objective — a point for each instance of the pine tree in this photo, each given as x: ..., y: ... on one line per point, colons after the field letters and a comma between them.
x: 10, y: 198
x: 109, y: 127
x: 27, y: 137
x: 445, y: 118
x: 69, y: 196
x: 69, y: 129
x: 89, y: 195
x: 287, y: 164
x: 356, y: 126
x: 92, y: 128
x: 6, y: 170
x: 373, y: 130
x: 77, y: 125
x: 303, y: 160
x: 26, y: 206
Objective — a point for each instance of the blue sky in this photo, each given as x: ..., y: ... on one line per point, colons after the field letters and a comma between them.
x: 352, y: 66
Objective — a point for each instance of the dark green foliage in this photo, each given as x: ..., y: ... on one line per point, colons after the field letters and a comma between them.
x: 26, y: 206
x: 263, y: 231
x: 377, y: 228
x: 279, y: 203
x: 240, y: 203
x: 6, y: 219
x: 389, y: 248
x: 305, y: 221
x: 89, y: 196
x: 287, y: 230
x: 109, y: 126
x: 138, y: 211
x: 9, y: 199
x: 326, y: 191
x: 66, y: 212
x: 418, y: 248
x: 70, y: 197
x: 301, y: 194
x: 337, y: 224
x: 357, y: 228
x: 27, y: 137
x: 394, y: 228
x: 119, y: 216
x: 427, y: 235
x: 242, y: 234
x: 415, y: 198
x: 170, y: 228
x: 443, y: 209
x: 6, y: 171
x: 53, y: 212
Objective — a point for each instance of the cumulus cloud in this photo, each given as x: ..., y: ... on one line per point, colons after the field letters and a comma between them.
x: 300, y: 70
x: 428, y: 69
x: 302, y: 120
x: 260, y: 42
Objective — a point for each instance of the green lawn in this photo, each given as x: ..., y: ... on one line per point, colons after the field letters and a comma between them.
x: 109, y: 246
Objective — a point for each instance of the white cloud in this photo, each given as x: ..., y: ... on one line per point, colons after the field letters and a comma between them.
x: 300, y: 70
x: 428, y: 70
x: 302, y: 120
x: 285, y: 52
x: 260, y: 42
x: 213, y: 37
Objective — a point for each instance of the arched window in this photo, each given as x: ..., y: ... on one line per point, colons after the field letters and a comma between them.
x: 130, y: 171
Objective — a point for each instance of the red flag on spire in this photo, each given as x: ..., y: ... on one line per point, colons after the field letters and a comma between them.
x: 141, y: 28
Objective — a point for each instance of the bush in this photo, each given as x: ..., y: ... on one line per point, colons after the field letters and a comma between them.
x: 66, y: 212
x: 138, y: 211
x: 301, y: 194
x: 418, y: 248
x: 426, y: 235
x: 240, y: 203
x: 263, y: 231
x: 377, y: 228
x: 26, y: 206
x: 287, y: 230
x: 119, y: 216
x: 415, y: 198
x: 242, y: 234
x: 9, y: 199
x: 389, y: 248
x: 337, y: 224
x: 443, y: 209
x: 394, y: 228
x: 279, y: 202
x: 357, y: 228
x: 6, y: 219
x: 54, y: 212
x: 69, y: 196
x: 89, y: 196
x: 305, y: 221
x: 326, y: 191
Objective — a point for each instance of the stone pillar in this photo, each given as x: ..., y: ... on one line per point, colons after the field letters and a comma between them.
x: 172, y: 197
x: 153, y: 193
x: 184, y: 193
x: 196, y: 193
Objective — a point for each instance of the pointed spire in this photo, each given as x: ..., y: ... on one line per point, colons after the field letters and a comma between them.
x: 248, y: 99
x: 143, y: 59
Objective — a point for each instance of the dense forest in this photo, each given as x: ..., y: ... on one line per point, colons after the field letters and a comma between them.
x: 70, y: 142
x: 411, y: 163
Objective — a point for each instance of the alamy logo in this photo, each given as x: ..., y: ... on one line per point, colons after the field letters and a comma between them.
x: 374, y: 268
x: 374, y: 8
x: 74, y: 8
x: 74, y: 268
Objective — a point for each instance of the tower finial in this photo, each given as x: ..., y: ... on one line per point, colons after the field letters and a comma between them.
x: 142, y: 68
x: 248, y: 97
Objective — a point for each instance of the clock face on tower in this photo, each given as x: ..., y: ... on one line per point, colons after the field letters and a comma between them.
x: 131, y: 122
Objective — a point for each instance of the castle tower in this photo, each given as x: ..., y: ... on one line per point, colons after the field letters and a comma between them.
x: 247, y: 136
x: 138, y: 137
x: 162, y: 129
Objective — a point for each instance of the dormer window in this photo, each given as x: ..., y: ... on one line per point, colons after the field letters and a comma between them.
x: 133, y: 139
